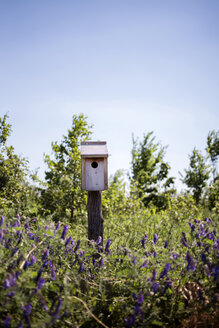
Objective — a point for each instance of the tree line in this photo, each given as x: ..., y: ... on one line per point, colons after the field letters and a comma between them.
x: 60, y: 195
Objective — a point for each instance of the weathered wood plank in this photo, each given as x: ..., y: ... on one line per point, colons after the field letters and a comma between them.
x: 95, y: 218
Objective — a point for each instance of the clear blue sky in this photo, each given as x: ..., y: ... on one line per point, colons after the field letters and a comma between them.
x: 130, y: 66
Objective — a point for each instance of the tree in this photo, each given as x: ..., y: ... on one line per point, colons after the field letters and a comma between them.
x: 197, y: 175
x: 63, y: 195
x: 213, y: 151
x: 15, y: 190
x: 114, y: 199
x: 150, y: 171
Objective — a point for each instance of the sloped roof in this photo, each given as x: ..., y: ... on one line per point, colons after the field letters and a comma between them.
x: 94, y: 149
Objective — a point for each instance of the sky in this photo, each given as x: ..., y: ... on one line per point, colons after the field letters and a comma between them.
x: 131, y: 66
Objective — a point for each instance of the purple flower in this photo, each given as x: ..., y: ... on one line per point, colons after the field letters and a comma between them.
x: 7, y: 283
x: 81, y: 254
x: 7, y: 322
x: 31, y: 235
x: 101, y: 262
x: 33, y: 260
x: 155, y: 287
x: 201, y: 226
x: 16, y: 224
x: 99, y: 240
x: 26, y: 265
x: 166, y: 244
x: 134, y: 296
x: 41, y: 283
x: 155, y: 238
x: 2, y: 220
x: 210, y: 236
x: 143, y: 240
x: 191, y: 263
x: 136, y: 309
x: 215, y: 272
x: 56, y: 228
x: 14, y: 251
x: 57, y: 309
x: 134, y: 261
x: 39, y: 274
x: 130, y: 321
x: 216, y: 246
x: 208, y: 220
x: 11, y: 294
x: 27, y: 311
x: 184, y: 242
x: 45, y: 264
x: 175, y: 256
x: 154, y: 275
x: 140, y: 298
x: 203, y: 257
x: 81, y: 268
x: 53, y: 274
x: 192, y: 226
x: 144, y: 265
x: 45, y: 255
x: 50, y: 264
x: 43, y: 302
x: 107, y: 246
x: 77, y: 245
x: 68, y: 241
x: 168, y: 284
x: 184, y: 235
x: 17, y: 274
x: 64, y: 232
x: 27, y: 226
x: 165, y: 271
x: 27, y: 308
x: 10, y: 281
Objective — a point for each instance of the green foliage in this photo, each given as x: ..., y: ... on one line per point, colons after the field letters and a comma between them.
x: 114, y: 199
x: 213, y: 196
x: 62, y: 196
x: 213, y: 150
x: 197, y: 175
x: 157, y: 271
x: 5, y: 130
x: 16, y: 193
x: 150, y: 172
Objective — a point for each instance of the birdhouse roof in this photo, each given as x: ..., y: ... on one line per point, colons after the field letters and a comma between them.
x: 94, y: 149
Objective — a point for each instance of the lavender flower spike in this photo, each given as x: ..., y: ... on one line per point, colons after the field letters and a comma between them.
x: 56, y: 228
x: 58, y: 308
x: 65, y: 229
x: 191, y: 263
x: 140, y: 298
x: 107, y: 246
x: 155, y: 238
x: 7, y: 322
x: 2, y: 220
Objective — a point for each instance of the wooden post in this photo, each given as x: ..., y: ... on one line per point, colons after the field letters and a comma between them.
x: 95, y: 218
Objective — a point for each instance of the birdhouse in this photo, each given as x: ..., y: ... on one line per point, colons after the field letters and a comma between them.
x: 94, y: 166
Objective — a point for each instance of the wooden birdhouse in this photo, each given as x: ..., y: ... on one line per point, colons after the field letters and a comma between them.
x: 94, y: 165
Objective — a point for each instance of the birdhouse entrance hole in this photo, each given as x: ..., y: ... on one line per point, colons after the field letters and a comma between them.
x: 94, y: 165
